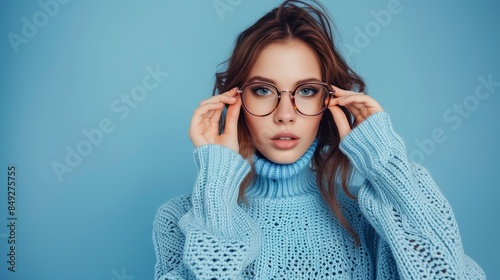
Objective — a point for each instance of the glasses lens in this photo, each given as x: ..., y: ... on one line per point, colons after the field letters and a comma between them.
x: 260, y: 98
x: 311, y: 99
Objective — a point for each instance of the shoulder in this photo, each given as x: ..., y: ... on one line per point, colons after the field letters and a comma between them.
x: 170, y: 212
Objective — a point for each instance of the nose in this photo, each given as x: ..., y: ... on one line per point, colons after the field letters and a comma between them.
x: 285, y: 112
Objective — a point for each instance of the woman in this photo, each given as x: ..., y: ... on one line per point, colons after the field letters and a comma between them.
x: 302, y: 177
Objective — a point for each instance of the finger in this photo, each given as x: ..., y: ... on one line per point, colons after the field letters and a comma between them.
x: 353, y: 110
x: 207, y: 108
x: 359, y: 98
x: 360, y: 102
x: 216, y: 115
x: 341, y: 101
x: 233, y: 92
x: 227, y: 97
x: 205, y: 112
x: 211, y: 120
x: 214, y: 121
x: 233, y: 113
x: 333, y: 101
x: 201, y: 125
x: 361, y: 107
x: 342, y: 92
x: 340, y: 121
x: 221, y: 98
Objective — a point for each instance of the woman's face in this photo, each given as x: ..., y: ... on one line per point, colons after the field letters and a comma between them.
x: 284, y: 135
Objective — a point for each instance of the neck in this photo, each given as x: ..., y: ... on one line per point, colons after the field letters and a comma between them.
x: 275, y: 180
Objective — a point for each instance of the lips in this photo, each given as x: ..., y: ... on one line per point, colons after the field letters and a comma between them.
x: 285, y: 140
x: 285, y: 136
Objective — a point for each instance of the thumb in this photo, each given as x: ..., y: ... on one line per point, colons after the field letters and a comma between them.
x: 232, y: 115
x: 340, y: 120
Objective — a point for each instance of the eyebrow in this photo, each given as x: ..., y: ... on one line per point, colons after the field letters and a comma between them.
x: 264, y: 79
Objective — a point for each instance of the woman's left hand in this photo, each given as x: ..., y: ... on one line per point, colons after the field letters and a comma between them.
x: 360, y: 105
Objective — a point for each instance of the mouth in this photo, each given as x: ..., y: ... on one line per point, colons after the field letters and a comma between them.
x: 285, y: 136
x: 285, y: 141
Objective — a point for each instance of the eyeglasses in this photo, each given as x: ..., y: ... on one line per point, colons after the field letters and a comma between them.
x: 309, y: 99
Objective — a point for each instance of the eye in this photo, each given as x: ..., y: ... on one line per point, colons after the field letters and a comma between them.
x: 262, y: 91
x: 308, y: 91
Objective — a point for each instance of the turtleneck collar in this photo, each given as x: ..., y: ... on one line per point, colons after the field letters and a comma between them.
x: 275, y: 180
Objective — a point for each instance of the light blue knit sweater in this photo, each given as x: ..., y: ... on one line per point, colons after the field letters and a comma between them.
x: 406, y: 227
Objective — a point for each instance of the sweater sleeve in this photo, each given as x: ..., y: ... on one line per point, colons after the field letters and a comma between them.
x: 405, y: 207
x: 220, y: 239
x: 168, y: 240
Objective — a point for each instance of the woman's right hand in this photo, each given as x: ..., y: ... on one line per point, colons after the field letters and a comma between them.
x: 204, y: 128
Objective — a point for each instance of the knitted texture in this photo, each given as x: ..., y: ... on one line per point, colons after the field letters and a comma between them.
x: 286, y: 231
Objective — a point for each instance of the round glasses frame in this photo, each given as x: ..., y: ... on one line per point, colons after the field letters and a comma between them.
x: 330, y: 92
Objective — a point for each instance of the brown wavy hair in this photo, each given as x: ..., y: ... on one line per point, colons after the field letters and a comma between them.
x: 310, y: 23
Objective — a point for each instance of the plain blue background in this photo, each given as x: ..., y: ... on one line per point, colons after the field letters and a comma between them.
x: 96, y: 222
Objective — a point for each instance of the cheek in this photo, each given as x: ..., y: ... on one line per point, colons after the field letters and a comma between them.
x: 318, y: 122
x: 313, y: 125
x: 254, y: 127
x: 259, y: 129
